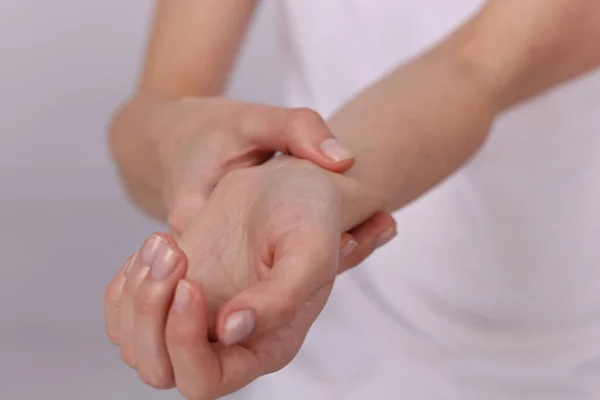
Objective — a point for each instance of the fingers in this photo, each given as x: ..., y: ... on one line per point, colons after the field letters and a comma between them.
x: 167, y: 341
x: 147, y: 284
x: 203, y: 370
x: 112, y: 302
x: 151, y: 306
x: 195, y: 365
x: 370, y: 235
x: 134, y: 275
x: 347, y: 245
x: 300, y: 132
x: 140, y: 297
x: 273, y: 302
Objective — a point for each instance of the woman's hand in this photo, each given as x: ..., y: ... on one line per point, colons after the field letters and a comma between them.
x: 173, y: 152
x: 262, y: 256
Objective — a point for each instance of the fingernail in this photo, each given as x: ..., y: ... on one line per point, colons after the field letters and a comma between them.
x: 237, y: 327
x: 164, y: 263
x: 385, y: 237
x: 159, y: 256
x: 150, y: 248
x: 347, y: 248
x: 183, y: 294
x: 334, y: 150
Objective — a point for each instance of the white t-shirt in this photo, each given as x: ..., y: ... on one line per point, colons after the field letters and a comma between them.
x: 492, y: 288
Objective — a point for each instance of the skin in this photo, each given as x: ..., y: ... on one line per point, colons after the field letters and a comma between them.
x: 265, y: 242
x: 424, y: 120
x: 201, y: 140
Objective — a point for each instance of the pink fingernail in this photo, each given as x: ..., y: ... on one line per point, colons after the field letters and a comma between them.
x: 164, y: 262
x: 150, y: 248
x: 159, y: 256
x: 334, y: 150
x: 238, y: 326
x: 348, y: 248
x: 385, y: 237
x: 183, y: 294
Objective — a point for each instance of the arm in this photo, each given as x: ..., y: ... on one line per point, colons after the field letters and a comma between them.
x: 423, y: 120
x: 428, y: 117
x: 193, y: 45
x: 191, y: 52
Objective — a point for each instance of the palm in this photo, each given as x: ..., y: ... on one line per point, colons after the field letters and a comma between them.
x: 254, y: 221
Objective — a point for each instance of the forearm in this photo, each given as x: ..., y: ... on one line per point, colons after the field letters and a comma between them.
x: 190, y: 53
x: 524, y: 48
x: 136, y: 153
x: 193, y: 45
x: 424, y: 120
x: 412, y: 129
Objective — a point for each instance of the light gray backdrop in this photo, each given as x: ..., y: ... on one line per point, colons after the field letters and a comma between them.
x: 65, y: 224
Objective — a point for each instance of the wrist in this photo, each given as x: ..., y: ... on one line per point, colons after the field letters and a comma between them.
x: 357, y: 201
x: 423, y: 121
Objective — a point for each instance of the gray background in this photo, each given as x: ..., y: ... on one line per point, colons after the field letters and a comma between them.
x: 65, y: 224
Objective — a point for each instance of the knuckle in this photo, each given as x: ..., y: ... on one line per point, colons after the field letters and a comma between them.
x: 159, y: 378
x: 146, y: 303
x: 127, y: 356
x: 305, y: 114
x: 287, y: 307
x: 348, y: 264
x: 363, y: 254
x: 283, y: 361
x: 111, y: 325
x: 243, y: 117
x: 301, y: 119
x: 111, y: 300
x: 108, y: 298
x: 194, y: 391
x: 112, y: 334
x: 279, y: 357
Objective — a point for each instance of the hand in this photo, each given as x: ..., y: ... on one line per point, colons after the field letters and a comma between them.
x: 196, y: 141
x: 263, y: 255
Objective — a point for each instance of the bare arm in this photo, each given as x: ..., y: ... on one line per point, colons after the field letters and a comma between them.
x: 427, y: 118
x: 193, y: 45
x: 191, y: 51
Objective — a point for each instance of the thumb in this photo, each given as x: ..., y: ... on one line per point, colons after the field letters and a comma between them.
x: 274, y: 302
x: 300, y: 132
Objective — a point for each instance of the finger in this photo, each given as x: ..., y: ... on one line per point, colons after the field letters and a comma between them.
x: 310, y: 264
x: 112, y: 302
x: 195, y: 365
x: 135, y: 275
x: 301, y: 132
x: 347, y: 246
x: 370, y: 235
x: 206, y: 370
x: 152, y: 303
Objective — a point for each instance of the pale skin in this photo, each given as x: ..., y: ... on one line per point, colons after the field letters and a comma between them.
x: 424, y: 120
